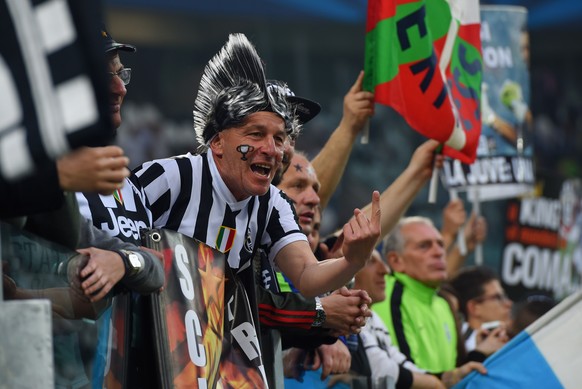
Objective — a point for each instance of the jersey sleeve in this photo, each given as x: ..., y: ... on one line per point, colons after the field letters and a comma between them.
x: 282, y: 227
x: 161, y: 184
x: 384, y: 358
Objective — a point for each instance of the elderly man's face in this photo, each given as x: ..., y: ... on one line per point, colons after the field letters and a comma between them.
x: 423, y: 254
x: 248, y: 156
x: 301, y: 185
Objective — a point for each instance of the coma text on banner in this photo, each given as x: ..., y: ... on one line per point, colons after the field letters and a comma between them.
x: 423, y: 58
x: 533, y: 259
x: 545, y: 355
x: 204, y: 328
x: 53, y: 82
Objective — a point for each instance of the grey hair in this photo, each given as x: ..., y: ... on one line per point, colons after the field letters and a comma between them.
x: 394, y: 241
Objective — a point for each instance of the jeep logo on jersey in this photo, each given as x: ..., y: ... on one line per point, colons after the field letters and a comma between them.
x: 122, y: 225
x: 225, y: 239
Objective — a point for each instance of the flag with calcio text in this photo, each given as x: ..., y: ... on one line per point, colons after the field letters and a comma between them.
x: 423, y: 58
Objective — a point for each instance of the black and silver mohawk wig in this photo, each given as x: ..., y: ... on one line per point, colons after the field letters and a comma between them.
x: 232, y: 87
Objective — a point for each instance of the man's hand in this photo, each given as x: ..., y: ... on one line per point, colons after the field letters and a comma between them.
x: 361, y: 234
x: 454, y: 216
x: 475, y: 231
x: 93, y: 169
x: 295, y: 361
x: 333, y: 358
x: 452, y: 377
x: 358, y: 106
x: 490, y: 341
x: 424, y: 159
x: 346, y: 310
x: 103, y: 270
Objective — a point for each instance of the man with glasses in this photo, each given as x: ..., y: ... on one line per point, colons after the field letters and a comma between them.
x: 122, y: 215
x: 482, y: 301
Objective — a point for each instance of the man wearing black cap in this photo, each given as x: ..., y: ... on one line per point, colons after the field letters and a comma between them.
x: 121, y: 215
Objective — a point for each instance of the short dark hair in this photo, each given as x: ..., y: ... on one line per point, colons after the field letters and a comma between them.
x: 528, y: 311
x: 469, y: 284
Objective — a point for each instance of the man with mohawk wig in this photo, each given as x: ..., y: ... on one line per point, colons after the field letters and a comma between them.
x: 224, y: 197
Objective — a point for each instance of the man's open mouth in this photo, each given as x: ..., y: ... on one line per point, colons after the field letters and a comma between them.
x: 263, y: 170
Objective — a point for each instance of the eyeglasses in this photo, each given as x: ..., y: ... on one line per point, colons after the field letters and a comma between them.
x: 123, y: 74
x: 499, y: 297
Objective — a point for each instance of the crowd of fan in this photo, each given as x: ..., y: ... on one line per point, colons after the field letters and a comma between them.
x: 412, y: 316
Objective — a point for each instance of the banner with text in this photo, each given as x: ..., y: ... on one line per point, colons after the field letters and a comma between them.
x: 542, y: 252
x: 203, y: 322
x: 504, y: 167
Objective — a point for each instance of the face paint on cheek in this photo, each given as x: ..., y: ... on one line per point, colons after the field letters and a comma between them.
x: 244, y: 150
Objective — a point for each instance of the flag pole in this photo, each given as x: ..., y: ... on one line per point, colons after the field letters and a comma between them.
x: 477, y: 210
x: 365, y: 133
x: 432, y: 189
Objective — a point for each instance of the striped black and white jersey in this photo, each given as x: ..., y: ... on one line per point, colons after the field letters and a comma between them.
x: 121, y: 214
x: 188, y: 195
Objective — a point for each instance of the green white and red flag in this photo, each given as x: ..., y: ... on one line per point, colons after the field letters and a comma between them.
x: 423, y: 58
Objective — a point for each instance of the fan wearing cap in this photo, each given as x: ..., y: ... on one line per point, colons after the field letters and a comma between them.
x: 96, y: 169
x: 222, y: 191
x: 303, y: 109
x: 122, y: 215
x: 119, y: 75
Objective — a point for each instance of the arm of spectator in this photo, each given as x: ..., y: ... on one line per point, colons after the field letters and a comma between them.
x: 101, y: 273
x: 396, y: 199
x: 452, y: 377
x: 66, y: 302
x: 333, y: 359
x: 331, y: 161
x: 93, y: 169
x: 454, y: 216
x: 312, y: 277
x: 106, y: 267
x: 475, y: 233
x: 295, y: 361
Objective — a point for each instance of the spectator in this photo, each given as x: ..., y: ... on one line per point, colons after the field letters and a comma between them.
x: 243, y: 128
x: 121, y: 215
x: 376, y: 357
x: 419, y: 321
x: 482, y: 300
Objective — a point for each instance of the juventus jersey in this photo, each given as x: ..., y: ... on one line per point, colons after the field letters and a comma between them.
x: 122, y: 214
x: 188, y: 195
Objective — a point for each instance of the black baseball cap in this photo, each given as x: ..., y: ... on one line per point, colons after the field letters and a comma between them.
x: 305, y: 109
x: 111, y: 45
